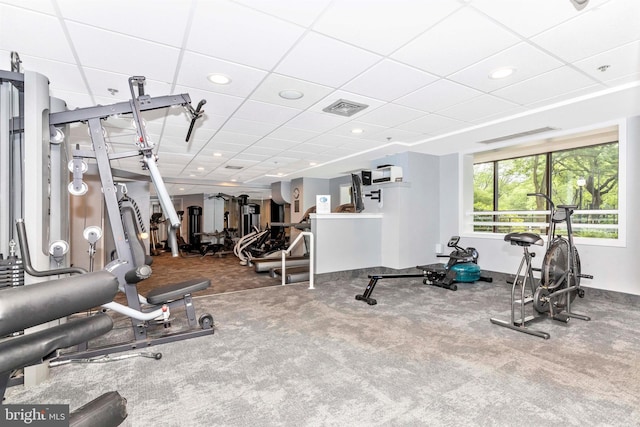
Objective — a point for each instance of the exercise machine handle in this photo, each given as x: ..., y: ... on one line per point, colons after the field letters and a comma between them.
x: 195, y: 115
x: 26, y: 257
x: 544, y: 196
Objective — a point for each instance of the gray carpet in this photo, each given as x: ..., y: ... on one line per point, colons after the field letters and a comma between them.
x: 289, y: 356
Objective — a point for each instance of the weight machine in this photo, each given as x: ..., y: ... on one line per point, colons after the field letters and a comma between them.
x: 130, y: 264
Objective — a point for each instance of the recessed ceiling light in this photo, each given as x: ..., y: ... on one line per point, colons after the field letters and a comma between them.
x: 219, y: 79
x: 291, y: 94
x: 234, y: 180
x: 501, y: 73
x: 217, y: 154
x: 192, y: 175
x: 357, y: 130
x: 200, y: 168
x: 181, y: 189
x: 312, y: 163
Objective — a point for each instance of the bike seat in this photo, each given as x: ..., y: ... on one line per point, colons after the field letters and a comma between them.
x: 524, y: 239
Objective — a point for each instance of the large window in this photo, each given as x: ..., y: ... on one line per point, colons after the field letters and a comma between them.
x: 586, y: 177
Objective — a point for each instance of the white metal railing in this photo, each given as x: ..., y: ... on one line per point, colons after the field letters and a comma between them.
x: 311, y: 256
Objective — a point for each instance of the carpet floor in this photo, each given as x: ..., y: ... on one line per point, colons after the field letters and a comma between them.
x: 291, y: 356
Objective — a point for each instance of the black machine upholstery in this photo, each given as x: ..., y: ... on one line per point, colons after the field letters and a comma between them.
x: 524, y: 239
x: 25, y: 306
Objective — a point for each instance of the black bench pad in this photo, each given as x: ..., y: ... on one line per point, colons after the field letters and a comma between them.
x: 175, y: 291
x: 30, y: 349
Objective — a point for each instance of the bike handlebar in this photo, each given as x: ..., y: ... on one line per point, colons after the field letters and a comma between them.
x: 547, y: 198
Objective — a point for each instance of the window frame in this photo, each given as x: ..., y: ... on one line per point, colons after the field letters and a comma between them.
x: 529, y: 146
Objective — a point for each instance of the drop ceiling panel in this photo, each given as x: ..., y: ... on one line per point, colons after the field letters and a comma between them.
x: 432, y: 124
x: 236, y: 33
x: 36, y: 5
x: 438, y: 95
x: 73, y: 99
x: 134, y: 56
x: 292, y: 134
x: 478, y: 108
x: 455, y: 43
x: 301, y: 12
x: 598, y: 30
x: 367, y: 129
x: 14, y: 37
x: 529, y: 18
x: 265, y: 112
x: 621, y: 62
x: 269, y: 90
x: 371, y: 103
x: 390, y: 115
x: 217, y: 103
x: 548, y: 85
x: 381, y: 26
x: 248, y: 127
x: 316, y: 122
x: 168, y: 25
x: 179, y: 146
x: 399, y: 135
x: 100, y: 81
x: 195, y: 68
x: 263, y: 150
x: 527, y: 61
x: 65, y: 76
x: 236, y: 138
x: 326, y: 61
x: 375, y: 81
x: 276, y: 144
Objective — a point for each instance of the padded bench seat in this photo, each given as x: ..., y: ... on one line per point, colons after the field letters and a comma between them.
x: 175, y: 291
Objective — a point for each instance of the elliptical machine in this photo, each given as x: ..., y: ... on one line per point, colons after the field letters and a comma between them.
x: 462, y: 267
x: 560, y: 274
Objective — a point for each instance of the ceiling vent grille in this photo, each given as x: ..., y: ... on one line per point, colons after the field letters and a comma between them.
x: 518, y: 135
x: 342, y: 107
x: 233, y: 167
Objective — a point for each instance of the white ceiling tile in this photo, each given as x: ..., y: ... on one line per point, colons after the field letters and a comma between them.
x: 37, y: 5
x: 235, y: 138
x: 530, y: 17
x: 292, y: 134
x: 316, y: 122
x: 248, y: 127
x: 390, y: 115
x: 62, y: 76
x: 455, y: 43
x: 263, y: 150
x: 18, y: 30
x: 270, y: 88
x: 438, y: 95
x: 236, y: 33
x: 548, y: 85
x: 329, y: 140
x: 527, y: 61
x: 308, y: 148
x: 567, y: 96
x: 633, y: 77
x: 217, y: 103
x: 622, y: 61
x: 477, y: 108
x: 223, y: 147
x: 195, y: 68
x: 433, y: 123
x: 381, y: 26
x: 376, y: 81
x: 100, y: 81
x: 399, y: 135
x: 163, y: 22
x: 178, y: 145
x: 251, y: 157
x: 326, y: 61
x: 301, y: 12
x: 152, y: 60
x: 367, y: 129
x: 276, y: 144
x: 264, y: 112
x: 594, y: 31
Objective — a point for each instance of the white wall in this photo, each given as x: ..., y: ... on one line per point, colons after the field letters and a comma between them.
x: 613, y: 268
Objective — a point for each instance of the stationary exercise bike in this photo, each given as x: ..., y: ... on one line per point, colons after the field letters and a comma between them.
x: 462, y: 267
x: 560, y: 274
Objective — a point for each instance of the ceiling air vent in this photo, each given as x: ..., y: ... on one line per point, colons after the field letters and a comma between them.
x: 342, y: 107
x: 233, y: 167
x: 517, y: 135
